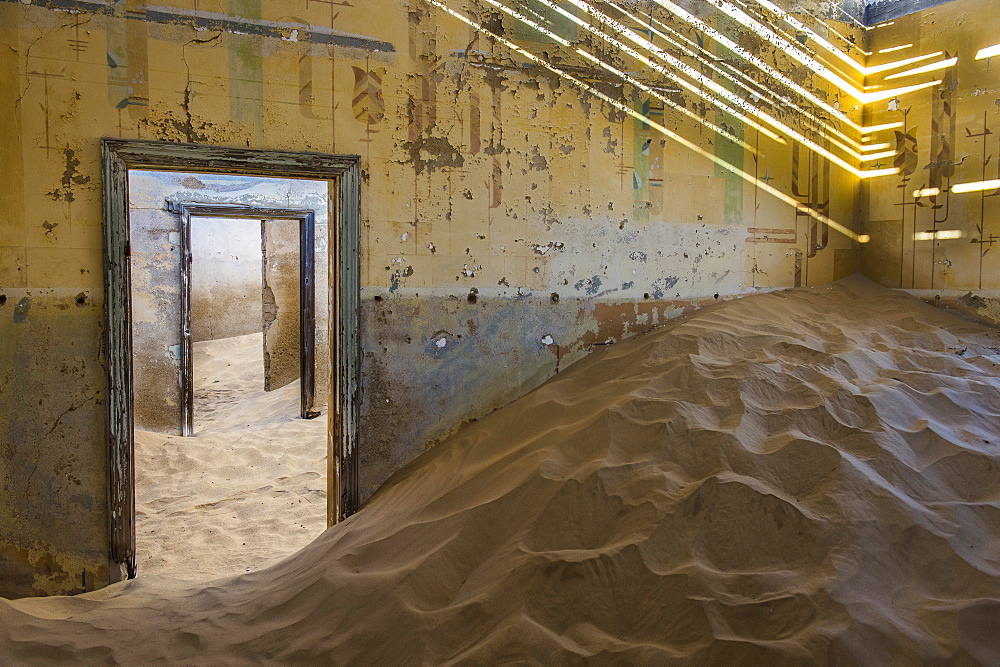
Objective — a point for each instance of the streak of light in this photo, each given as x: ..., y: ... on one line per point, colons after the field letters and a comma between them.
x: 875, y: 69
x: 931, y: 235
x: 786, y: 46
x: 988, y: 52
x: 976, y: 186
x: 831, y: 29
x: 873, y: 173
x: 749, y: 178
x: 733, y: 47
x: 843, y: 37
x: 933, y: 67
x: 895, y: 48
x: 833, y: 50
x: 877, y: 156
x: 701, y: 79
x: 895, y: 92
x: 646, y: 61
x: 666, y: 101
x: 885, y: 126
x: 704, y: 81
x: 926, y: 192
x: 876, y: 147
x: 711, y: 60
x: 864, y: 238
x: 737, y: 73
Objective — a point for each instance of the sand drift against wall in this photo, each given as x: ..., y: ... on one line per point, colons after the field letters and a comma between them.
x: 807, y: 475
x: 248, y: 489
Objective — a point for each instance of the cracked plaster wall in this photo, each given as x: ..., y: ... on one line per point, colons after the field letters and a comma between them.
x: 510, y: 220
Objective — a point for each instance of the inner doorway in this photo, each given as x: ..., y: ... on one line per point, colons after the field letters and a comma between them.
x: 342, y: 176
x: 287, y: 282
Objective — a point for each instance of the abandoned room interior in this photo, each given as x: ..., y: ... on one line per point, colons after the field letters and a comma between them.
x: 423, y: 331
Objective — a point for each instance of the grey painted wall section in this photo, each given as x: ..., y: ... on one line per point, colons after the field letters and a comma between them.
x: 225, y: 278
x: 879, y: 11
x: 431, y: 364
x: 156, y: 275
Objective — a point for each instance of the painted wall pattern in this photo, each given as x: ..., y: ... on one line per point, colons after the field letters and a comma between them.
x: 925, y: 234
x: 517, y: 215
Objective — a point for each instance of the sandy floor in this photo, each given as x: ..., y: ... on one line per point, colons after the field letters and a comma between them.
x: 801, y: 477
x: 248, y: 489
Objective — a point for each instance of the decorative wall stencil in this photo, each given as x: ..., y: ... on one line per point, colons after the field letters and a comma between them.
x: 368, y: 105
x: 726, y: 149
x: 941, y: 168
x: 423, y: 53
x: 647, y: 162
x: 543, y: 14
x: 475, y: 122
x: 128, y: 85
x: 246, y: 71
x: 985, y: 236
x: 906, y: 162
x: 813, y: 189
x: 928, y: 233
x: 46, y: 76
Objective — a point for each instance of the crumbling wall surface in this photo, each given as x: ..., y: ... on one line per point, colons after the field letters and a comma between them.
x: 53, y: 535
x: 513, y: 190
x: 926, y: 233
x: 225, y: 278
x: 281, y: 303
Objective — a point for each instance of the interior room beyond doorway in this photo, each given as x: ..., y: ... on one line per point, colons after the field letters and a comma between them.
x: 249, y: 485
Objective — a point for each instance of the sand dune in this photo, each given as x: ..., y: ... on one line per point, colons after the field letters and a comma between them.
x: 247, y: 490
x: 808, y: 476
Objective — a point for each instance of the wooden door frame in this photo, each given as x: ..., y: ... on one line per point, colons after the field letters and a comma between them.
x: 307, y: 293
x: 343, y: 172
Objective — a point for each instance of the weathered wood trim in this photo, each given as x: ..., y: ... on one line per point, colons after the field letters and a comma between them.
x: 118, y: 361
x: 120, y: 155
x: 349, y: 339
x: 307, y: 315
x: 187, y: 357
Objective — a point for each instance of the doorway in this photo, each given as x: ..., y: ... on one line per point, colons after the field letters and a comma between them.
x: 288, y: 342
x: 342, y: 174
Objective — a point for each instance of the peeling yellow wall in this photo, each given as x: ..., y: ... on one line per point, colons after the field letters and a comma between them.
x: 950, y: 134
x: 507, y: 212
